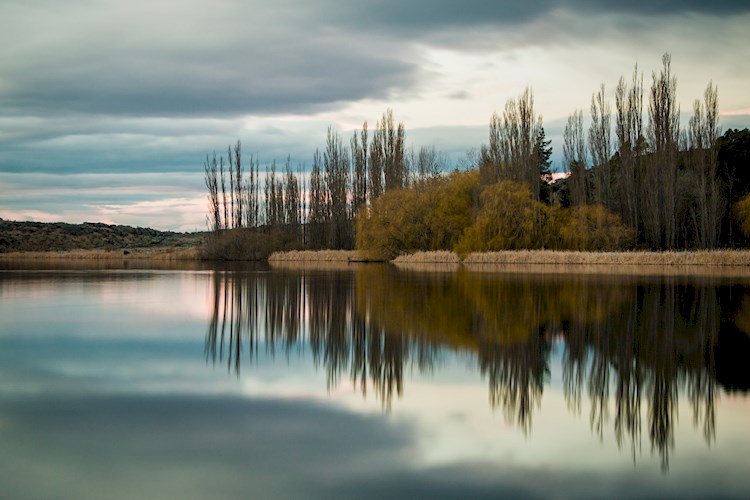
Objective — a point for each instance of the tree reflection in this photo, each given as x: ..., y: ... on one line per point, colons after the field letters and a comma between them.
x: 631, y: 347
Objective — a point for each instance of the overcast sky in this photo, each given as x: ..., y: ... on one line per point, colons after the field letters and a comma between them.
x: 108, y: 108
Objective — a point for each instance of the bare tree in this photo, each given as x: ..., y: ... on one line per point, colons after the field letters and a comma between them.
x: 600, y: 146
x: 336, y: 162
x: 359, y: 148
x: 376, y: 166
x: 212, y: 184
x: 703, y: 134
x: 660, y: 180
x: 426, y: 164
x: 511, y: 154
x: 238, y: 184
x: 629, y: 131
x: 389, y: 138
x: 574, y: 157
x: 317, y: 215
x: 224, y: 192
x: 292, y: 202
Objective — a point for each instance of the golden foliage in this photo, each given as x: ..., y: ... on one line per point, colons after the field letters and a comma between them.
x: 433, y: 218
x: 509, y: 219
x: 593, y: 228
x: 742, y: 213
x: 455, y: 213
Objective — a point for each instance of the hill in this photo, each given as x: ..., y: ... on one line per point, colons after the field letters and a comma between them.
x: 60, y: 236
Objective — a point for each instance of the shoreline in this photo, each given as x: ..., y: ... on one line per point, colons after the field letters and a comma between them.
x: 544, y: 261
x: 151, y: 253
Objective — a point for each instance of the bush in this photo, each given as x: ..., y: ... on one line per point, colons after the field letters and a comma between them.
x: 593, y: 228
x: 245, y: 244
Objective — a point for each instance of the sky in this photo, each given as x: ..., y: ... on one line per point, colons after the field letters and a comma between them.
x: 109, y: 108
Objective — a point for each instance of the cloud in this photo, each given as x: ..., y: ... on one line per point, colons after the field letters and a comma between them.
x: 227, y: 60
x: 146, y: 87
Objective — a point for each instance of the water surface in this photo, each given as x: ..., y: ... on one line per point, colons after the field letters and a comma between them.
x: 371, y: 381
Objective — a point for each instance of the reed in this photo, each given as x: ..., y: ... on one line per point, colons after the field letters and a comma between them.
x: 317, y: 256
x: 441, y: 257
x: 693, y: 258
x: 161, y: 254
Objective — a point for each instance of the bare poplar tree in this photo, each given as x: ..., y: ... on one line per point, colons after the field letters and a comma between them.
x: 660, y: 179
x: 359, y: 148
x: 238, y: 184
x: 511, y: 154
x: 703, y: 134
x: 224, y: 192
x: 336, y: 162
x: 376, y: 166
x: 574, y: 157
x: 629, y: 131
x: 212, y: 184
x: 252, y: 195
x: 232, y: 222
x: 291, y: 202
x: 317, y: 215
x: 389, y: 139
x: 600, y: 146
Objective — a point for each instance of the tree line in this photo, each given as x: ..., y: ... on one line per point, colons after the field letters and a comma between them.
x: 634, y: 181
x: 677, y: 187
x: 319, y: 211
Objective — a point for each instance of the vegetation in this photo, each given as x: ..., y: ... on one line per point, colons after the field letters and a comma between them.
x: 635, y: 183
x: 59, y: 236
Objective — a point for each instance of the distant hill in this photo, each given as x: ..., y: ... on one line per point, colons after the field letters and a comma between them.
x: 41, y: 236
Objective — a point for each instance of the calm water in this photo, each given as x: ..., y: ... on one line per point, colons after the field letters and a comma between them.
x: 371, y: 382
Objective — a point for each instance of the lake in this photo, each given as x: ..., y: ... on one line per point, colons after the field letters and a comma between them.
x: 371, y: 381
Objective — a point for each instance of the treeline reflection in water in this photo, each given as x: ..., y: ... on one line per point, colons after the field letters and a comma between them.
x: 631, y: 346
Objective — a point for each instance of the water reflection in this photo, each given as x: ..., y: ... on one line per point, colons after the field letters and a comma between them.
x: 631, y: 346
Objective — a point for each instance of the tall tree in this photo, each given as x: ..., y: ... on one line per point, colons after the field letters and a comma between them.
x: 703, y: 134
x: 212, y: 184
x: 511, y: 151
x: 292, y: 216
x: 336, y: 163
x: 239, y: 197
x: 359, y: 148
x: 542, y: 156
x: 600, y: 146
x: 574, y: 157
x: 389, y: 138
x: 660, y: 181
x: 630, y: 145
x: 317, y: 214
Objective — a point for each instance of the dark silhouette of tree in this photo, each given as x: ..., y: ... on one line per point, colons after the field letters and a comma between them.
x: 574, y: 157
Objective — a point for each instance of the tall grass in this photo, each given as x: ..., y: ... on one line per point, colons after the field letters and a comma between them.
x: 161, y: 254
x: 442, y: 257
x: 693, y: 258
x: 316, y: 256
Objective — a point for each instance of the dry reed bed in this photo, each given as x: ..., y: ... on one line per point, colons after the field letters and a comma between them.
x: 428, y: 258
x: 160, y: 254
x: 734, y: 258
x: 316, y: 256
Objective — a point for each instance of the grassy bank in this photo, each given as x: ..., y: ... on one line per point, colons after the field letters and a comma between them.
x: 692, y: 258
x: 160, y: 254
